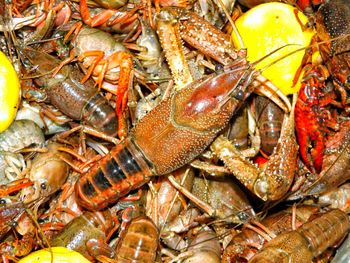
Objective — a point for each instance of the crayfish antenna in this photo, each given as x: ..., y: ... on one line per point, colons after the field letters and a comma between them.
x: 279, y: 59
x: 234, y: 28
x: 316, y: 44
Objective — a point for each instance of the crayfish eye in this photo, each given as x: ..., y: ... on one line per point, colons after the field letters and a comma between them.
x: 13, y: 224
x: 348, y: 80
x: 41, y: 220
x: 239, y: 95
x: 242, y: 216
x: 219, y: 68
x: 43, y: 186
x: 2, y: 201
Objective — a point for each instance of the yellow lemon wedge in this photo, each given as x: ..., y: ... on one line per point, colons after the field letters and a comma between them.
x: 60, y: 255
x: 9, y: 92
x: 268, y: 27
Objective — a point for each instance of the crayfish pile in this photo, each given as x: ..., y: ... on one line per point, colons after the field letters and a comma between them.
x: 144, y: 134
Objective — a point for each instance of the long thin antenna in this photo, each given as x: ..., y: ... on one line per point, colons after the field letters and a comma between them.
x: 274, y: 51
x: 234, y: 28
x: 295, y: 51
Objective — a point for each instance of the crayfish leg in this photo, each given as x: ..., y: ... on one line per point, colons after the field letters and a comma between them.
x: 97, y: 20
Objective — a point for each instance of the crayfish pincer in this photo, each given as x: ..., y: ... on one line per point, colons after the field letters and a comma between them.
x: 171, y: 135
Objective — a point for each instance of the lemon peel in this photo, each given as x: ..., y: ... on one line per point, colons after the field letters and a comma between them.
x: 60, y: 255
x: 267, y: 27
x: 9, y: 92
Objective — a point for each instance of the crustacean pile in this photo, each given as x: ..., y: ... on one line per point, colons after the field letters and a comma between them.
x: 139, y: 131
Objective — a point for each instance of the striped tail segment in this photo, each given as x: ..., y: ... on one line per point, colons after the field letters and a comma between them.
x: 139, y: 242
x: 123, y: 169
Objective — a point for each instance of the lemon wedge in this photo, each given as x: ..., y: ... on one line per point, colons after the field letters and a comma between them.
x: 267, y: 27
x: 60, y: 255
x: 9, y: 92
